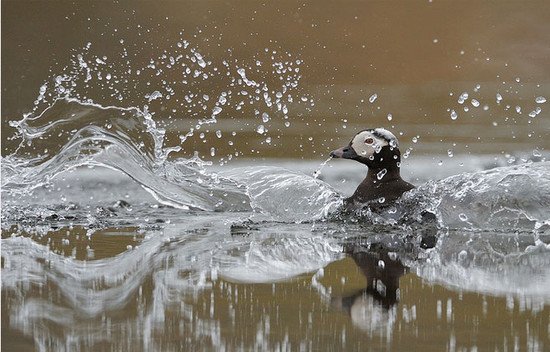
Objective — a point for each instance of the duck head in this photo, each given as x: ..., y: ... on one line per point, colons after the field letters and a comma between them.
x: 377, y: 148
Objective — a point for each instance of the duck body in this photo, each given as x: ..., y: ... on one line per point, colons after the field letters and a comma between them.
x: 385, y: 191
x: 378, y: 149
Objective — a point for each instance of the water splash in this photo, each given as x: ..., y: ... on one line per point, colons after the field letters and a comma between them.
x: 79, y: 119
x: 317, y: 172
x: 67, y: 129
x: 286, y: 195
x: 501, y: 198
x: 179, y: 84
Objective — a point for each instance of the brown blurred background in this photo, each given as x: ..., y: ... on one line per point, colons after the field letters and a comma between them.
x: 412, y: 54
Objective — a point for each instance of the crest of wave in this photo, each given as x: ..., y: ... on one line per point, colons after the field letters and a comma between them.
x: 505, y: 198
x: 286, y: 195
x: 71, y: 134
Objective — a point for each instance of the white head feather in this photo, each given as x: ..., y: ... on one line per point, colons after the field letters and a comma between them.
x: 367, y: 143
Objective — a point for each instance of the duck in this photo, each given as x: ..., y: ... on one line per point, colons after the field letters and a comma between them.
x: 378, y: 149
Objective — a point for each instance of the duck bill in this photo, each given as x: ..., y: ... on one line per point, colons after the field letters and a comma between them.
x: 344, y: 153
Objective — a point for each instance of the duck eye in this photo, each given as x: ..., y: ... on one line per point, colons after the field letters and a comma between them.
x: 369, y: 141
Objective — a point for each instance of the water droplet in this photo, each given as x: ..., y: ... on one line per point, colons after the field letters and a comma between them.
x: 216, y: 110
x: 242, y: 73
x: 450, y: 153
x: 518, y: 109
x: 381, y: 264
x: 381, y: 174
x: 390, y: 117
x: 153, y: 96
x: 540, y: 100
x: 499, y: 98
x: 537, y: 153
x: 415, y: 139
x: 381, y: 200
x: 260, y: 129
x: 454, y: 115
x: 212, y: 151
x: 462, y: 217
x: 219, y: 134
x: 265, y: 117
x: 373, y: 98
x: 407, y: 153
x: 475, y: 103
x: 200, y: 60
x: 462, y: 98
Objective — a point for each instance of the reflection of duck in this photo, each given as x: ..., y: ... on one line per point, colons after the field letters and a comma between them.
x: 374, y: 308
x: 378, y: 149
x: 382, y: 273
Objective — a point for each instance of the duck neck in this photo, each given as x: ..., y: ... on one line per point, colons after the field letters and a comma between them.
x: 382, y: 174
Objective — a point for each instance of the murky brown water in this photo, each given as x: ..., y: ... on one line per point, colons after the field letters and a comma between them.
x: 122, y: 288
